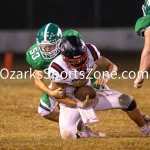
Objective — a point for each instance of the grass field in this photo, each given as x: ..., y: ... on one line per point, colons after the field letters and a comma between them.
x: 22, y: 128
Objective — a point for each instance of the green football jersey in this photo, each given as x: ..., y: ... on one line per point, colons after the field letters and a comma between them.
x: 141, y: 25
x: 35, y: 59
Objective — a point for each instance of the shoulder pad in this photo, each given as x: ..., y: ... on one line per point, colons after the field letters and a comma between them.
x: 93, y: 50
x: 35, y: 59
x: 59, y: 69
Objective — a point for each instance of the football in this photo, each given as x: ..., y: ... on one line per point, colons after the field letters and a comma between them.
x: 81, y: 92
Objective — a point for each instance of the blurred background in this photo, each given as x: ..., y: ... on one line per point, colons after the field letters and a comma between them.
x: 107, y: 24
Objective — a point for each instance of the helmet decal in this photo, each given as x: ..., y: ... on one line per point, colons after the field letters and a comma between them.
x: 146, y: 8
x: 46, y: 33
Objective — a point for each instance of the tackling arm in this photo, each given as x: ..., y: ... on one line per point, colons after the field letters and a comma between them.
x: 39, y: 83
x: 69, y: 101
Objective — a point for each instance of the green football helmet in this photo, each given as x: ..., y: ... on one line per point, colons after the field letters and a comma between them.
x: 72, y: 33
x: 146, y: 7
x: 49, y: 35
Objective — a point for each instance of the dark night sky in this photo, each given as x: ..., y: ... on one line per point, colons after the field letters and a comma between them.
x: 69, y: 13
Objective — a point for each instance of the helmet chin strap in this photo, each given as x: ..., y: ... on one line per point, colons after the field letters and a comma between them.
x: 51, y: 55
x: 81, y: 68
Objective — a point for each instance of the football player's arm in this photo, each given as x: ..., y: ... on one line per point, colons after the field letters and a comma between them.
x: 145, y: 60
x: 39, y: 83
x: 67, y: 100
x: 145, y: 56
x: 106, y: 64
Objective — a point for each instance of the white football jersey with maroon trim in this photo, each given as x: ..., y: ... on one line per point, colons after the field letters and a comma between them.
x: 61, y: 73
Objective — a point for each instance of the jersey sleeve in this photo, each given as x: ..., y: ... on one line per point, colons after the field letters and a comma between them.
x: 57, y: 73
x: 94, y: 53
x: 142, y: 24
x: 34, y: 58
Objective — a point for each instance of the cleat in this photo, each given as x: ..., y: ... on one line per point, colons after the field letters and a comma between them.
x: 146, y: 119
x: 146, y: 134
x: 87, y: 132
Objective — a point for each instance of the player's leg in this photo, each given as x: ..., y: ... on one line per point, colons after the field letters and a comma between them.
x: 68, y: 122
x: 47, y: 108
x: 111, y: 99
x: 85, y: 131
x: 53, y: 116
x: 145, y: 117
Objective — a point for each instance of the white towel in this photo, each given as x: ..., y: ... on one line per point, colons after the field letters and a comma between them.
x: 88, y: 115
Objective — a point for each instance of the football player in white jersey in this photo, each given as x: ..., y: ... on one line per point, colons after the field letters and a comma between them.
x: 67, y: 71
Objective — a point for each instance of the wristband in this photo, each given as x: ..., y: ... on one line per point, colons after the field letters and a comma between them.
x: 107, y: 75
x: 80, y: 104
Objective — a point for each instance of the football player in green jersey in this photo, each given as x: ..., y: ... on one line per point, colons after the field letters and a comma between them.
x: 39, y: 56
x: 142, y: 28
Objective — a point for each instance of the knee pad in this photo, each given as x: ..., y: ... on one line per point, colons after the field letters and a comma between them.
x: 125, y: 100
x: 132, y: 106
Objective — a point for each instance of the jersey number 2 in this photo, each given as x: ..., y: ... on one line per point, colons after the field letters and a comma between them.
x: 34, y: 53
